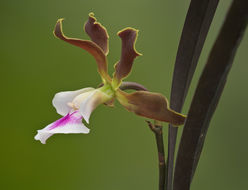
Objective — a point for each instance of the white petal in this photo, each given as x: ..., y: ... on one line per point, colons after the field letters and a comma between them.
x: 61, y: 100
x: 90, y: 103
x: 71, y: 123
x: 42, y: 136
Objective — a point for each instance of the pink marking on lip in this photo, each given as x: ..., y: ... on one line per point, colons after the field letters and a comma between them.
x: 70, y: 118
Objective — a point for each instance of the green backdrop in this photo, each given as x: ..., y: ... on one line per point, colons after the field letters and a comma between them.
x: 120, y: 152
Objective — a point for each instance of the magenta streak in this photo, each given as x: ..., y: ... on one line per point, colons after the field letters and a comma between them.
x: 69, y: 118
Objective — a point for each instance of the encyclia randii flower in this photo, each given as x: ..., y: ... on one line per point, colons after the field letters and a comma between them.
x: 77, y: 105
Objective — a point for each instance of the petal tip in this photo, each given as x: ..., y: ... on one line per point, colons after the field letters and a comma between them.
x: 126, y: 30
x: 87, y: 131
x: 85, y: 113
x: 86, y: 117
x: 92, y: 15
x: 60, y: 19
x: 130, y: 32
x: 38, y: 137
x: 57, y: 32
x: 87, y: 120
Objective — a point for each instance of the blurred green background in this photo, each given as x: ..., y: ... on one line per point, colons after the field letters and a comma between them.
x: 120, y: 152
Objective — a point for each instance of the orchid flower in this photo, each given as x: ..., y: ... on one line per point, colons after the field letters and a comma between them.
x: 78, y: 105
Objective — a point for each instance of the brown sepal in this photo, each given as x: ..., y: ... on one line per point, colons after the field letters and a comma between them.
x: 150, y: 105
x: 97, y: 33
x: 87, y: 45
x: 128, y: 53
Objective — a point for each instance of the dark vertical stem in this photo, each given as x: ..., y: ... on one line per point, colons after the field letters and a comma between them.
x: 158, y: 132
x: 197, y: 23
x: 208, y: 92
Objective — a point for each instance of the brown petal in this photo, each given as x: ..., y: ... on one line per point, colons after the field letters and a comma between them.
x: 87, y: 45
x: 97, y: 33
x: 150, y: 105
x: 128, y: 54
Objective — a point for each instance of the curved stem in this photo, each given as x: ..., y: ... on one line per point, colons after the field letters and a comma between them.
x: 132, y: 86
x: 157, y: 130
x: 129, y: 86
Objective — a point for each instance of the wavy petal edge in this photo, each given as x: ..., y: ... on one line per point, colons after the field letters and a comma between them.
x: 97, y: 32
x: 89, y: 46
x: 128, y: 54
x: 71, y: 123
x: 150, y: 105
